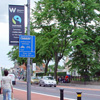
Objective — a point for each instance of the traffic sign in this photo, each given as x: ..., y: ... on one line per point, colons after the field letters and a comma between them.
x: 26, y: 46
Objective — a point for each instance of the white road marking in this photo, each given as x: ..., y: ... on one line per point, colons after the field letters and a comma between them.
x: 92, y: 94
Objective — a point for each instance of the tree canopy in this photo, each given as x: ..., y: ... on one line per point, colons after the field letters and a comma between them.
x: 67, y: 28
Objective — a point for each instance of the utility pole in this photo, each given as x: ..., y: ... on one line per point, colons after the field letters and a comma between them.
x: 28, y: 59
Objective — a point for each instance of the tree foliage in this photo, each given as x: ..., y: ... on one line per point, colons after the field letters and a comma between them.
x: 54, y: 36
x: 14, y: 56
x: 85, y: 53
x: 66, y: 28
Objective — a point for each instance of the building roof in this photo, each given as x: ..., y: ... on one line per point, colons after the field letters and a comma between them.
x: 23, y: 66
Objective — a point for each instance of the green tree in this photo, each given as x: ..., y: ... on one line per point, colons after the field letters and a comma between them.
x: 63, y: 26
x: 14, y: 56
x: 43, y: 50
x: 84, y: 38
x: 55, y: 31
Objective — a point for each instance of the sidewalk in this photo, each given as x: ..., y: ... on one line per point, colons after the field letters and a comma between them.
x: 93, y: 86
x: 1, y: 97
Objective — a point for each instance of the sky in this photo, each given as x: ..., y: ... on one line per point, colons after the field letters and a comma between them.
x: 5, y: 62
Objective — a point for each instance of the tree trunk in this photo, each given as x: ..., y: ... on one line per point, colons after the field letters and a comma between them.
x: 46, y: 68
x: 56, y: 65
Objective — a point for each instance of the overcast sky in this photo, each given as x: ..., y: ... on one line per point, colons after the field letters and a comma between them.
x: 4, y: 30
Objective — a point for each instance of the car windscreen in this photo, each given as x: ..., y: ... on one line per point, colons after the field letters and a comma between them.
x: 34, y: 78
x: 49, y: 78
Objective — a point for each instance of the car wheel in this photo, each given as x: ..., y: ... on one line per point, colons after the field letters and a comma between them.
x: 54, y: 85
x: 39, y: 84
x: 44, y: 85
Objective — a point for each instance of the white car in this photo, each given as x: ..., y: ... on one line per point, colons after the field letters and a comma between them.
x: 47, y: 81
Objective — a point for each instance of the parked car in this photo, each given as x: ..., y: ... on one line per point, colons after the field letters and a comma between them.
x: 0, y: 79
x: 13, y: 78
x: 47, y: 81
x: 34, y: 80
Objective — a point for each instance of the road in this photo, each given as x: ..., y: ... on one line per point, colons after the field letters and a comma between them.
x: 53, y: 93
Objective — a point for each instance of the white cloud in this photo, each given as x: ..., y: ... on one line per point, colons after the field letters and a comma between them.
x: 4, y: 31
x: 4, y: 46
x: 4, y: 8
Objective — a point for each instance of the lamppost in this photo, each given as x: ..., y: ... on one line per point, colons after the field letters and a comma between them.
x: 28, y: 59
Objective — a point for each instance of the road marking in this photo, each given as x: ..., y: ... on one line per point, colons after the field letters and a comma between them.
x: 78, y: 88
x: 73, y: 92
x: 83, y: 93
x: 92, y: 94
x: 68, y: 87
x: 43, y: 94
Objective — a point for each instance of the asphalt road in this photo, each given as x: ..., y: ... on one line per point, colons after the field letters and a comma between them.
x: 88, y: 92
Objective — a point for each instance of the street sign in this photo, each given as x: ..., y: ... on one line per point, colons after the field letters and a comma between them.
x: 34, y: 67
x: 26, y: 46
x: 16, y: 23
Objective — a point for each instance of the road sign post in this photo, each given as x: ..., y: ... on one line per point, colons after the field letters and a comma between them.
x: 28, y: 59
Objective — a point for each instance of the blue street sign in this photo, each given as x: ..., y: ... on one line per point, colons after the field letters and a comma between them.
x: 26, y: 46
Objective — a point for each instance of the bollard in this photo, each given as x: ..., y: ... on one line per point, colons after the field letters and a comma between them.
x: 79, y: 95
x: 61, y: 94
x: 0, y: 90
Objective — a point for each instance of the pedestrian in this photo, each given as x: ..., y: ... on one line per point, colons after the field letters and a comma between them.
x: 6, y: 85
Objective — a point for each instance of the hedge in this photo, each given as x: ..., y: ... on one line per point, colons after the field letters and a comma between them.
x: 52, y: 74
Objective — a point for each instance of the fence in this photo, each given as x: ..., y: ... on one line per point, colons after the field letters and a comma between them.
x: 82, y: 79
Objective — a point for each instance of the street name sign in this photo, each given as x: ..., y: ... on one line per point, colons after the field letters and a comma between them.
x: 26, y: 46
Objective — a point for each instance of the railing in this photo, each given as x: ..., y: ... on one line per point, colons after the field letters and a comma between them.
x: 82, y: 79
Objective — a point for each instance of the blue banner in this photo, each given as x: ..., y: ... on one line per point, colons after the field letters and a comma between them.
x: 16, y: 23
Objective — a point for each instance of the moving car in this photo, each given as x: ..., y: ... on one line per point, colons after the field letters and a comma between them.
x: 34, y: 80
x: 47, y: 81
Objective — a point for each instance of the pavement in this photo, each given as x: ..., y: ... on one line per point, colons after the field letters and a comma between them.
x: 1, y: 97
x: 93, y: 86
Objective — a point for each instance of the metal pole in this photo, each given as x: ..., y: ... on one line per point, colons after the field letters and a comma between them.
x: 28, y: 59
x: 28, y: 80
x: 32, y: 67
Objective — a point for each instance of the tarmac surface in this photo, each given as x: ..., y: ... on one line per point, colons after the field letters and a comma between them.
x: 69, y: 84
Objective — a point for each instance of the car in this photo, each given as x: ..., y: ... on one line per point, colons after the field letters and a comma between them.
x: 12, y: 78
x: 47, y: 81
x: 34, y: 80
x: 0, y: 79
